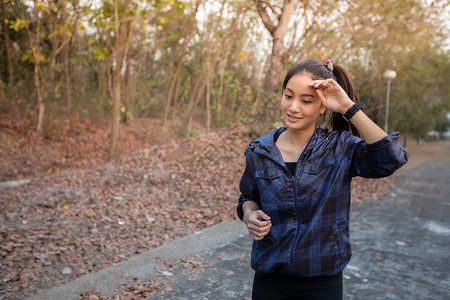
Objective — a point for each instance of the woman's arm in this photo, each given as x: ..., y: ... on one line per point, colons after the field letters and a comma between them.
x: 248, y: 210
x: 379, y: 154
x: 368, y: 129
x: 336, y: 99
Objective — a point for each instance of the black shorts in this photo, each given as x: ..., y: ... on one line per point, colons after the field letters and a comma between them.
x: 283, y: 287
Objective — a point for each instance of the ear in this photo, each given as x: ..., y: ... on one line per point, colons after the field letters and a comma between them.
x: 323, y: 109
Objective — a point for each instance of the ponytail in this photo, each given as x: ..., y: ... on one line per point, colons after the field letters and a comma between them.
x: 337, y: 121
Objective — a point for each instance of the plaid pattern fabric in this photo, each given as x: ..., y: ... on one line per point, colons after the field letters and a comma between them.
x: 310, y: 211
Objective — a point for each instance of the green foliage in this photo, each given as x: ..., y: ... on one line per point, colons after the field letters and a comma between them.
x: 193, y: 132
x: 365, y: 36
x: 100, y: 52
x: 18, y: 24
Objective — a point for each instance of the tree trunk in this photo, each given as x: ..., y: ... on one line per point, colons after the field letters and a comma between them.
x: 208, y: 105
x: 200, y: 81
x: 176, y: 76
x: 101, y: 77
x: 193, y: 101
x: 242, y: 103
x: 67, y: 76
x: 276, y: 65
x: 40, y: 99
x: 54, y: 41
x: 66, y: 58
x: 175, y: 100
x: 221, y: 105
x: 37, y: 82
x: 221, y: 92
x: 127, y: 88
x: 278, y: 33
x: 233, y: 103
x: 108, y: 72
x: 120, y: 32
x: 6, y: 39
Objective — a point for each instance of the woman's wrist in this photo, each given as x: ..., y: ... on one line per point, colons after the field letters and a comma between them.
x: 347, y: 106
x: 247, y: 208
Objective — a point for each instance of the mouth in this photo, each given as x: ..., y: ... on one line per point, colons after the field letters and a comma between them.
x: 292, y: 118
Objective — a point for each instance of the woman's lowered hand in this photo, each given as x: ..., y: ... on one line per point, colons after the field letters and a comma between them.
x: 258, y: 223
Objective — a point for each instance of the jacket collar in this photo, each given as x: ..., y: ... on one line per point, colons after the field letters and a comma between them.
x: 265, y: 145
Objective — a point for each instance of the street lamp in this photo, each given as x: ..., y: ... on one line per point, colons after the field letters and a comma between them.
x: 389, y: 75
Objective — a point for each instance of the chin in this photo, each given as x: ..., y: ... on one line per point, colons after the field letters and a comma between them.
x: 297, y: 126
x: 293, y: 126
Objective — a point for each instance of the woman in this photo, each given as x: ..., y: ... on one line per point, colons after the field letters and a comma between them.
x: 295, y: 191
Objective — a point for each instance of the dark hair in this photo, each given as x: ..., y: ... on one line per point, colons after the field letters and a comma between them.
x: 320, y: 71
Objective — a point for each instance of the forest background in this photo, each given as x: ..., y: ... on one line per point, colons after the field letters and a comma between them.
x: 193, y: 66
x: 83, y: 82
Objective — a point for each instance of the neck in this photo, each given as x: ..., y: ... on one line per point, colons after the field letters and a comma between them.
x: 299, y: 137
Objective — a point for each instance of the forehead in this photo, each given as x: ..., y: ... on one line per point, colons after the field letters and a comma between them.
x: 299, y: 82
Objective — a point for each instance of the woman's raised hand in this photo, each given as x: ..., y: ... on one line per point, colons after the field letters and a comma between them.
x: 258, y: 224
x: 332, y: 95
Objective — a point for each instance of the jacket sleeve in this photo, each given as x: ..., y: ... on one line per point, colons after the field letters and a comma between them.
x: 247, y: 187
x: 379, y: 159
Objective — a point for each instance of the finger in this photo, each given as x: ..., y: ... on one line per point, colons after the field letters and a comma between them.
x: 259, y: 233
x: 258, y: 236
x: 333, y: 82
x: 328, y: 83
x: 316, y: 83
x: 258, y: 223
x: 321, y: 96
x: 259, y: 228
x: 262, y: 215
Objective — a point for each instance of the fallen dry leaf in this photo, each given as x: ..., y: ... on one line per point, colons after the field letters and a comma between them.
x: 92, y: 218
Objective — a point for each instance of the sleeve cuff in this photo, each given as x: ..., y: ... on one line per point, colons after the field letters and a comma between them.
x: 240, y: 211
x: 390, y: 138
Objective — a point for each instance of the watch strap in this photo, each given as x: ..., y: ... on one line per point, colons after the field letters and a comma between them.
x: 352, y: 110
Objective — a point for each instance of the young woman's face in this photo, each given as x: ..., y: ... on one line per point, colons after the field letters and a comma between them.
x: 300, y: 104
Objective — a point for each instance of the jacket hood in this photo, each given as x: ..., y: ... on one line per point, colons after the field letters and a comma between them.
x: 266, y: 143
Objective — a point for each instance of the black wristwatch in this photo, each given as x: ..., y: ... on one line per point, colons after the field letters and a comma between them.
x: 352, y: 110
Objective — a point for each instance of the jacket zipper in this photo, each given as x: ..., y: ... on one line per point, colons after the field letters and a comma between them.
x: 291, y: 265
x: 298, y: 212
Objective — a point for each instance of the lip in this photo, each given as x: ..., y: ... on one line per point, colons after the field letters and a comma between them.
x: 292, y: 118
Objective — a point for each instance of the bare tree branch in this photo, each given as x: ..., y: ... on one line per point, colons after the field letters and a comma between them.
x: 265, y: 16
x: 285, y: 17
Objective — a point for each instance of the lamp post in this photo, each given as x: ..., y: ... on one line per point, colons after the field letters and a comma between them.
x: 389, y: 75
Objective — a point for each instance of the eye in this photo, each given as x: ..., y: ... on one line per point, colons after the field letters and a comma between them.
x: 288, y: 96
x: 306, y: 101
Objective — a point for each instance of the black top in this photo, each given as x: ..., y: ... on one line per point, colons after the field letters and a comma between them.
x: 291, y: 165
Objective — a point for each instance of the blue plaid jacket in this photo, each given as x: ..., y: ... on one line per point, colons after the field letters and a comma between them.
x: 310, y: 211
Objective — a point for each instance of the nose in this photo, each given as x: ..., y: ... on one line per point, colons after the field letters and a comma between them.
x: 295, y: 106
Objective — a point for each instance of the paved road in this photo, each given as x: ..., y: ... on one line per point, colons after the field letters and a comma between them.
x: 401, y: 244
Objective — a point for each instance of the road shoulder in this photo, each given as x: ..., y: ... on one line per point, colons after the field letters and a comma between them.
x: 144, y: 265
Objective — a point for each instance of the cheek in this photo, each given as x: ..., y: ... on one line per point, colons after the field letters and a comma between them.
x: 312, y: 110
x: 284, y: 104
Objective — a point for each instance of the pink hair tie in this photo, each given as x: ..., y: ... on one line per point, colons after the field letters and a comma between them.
x: 329, y: 65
